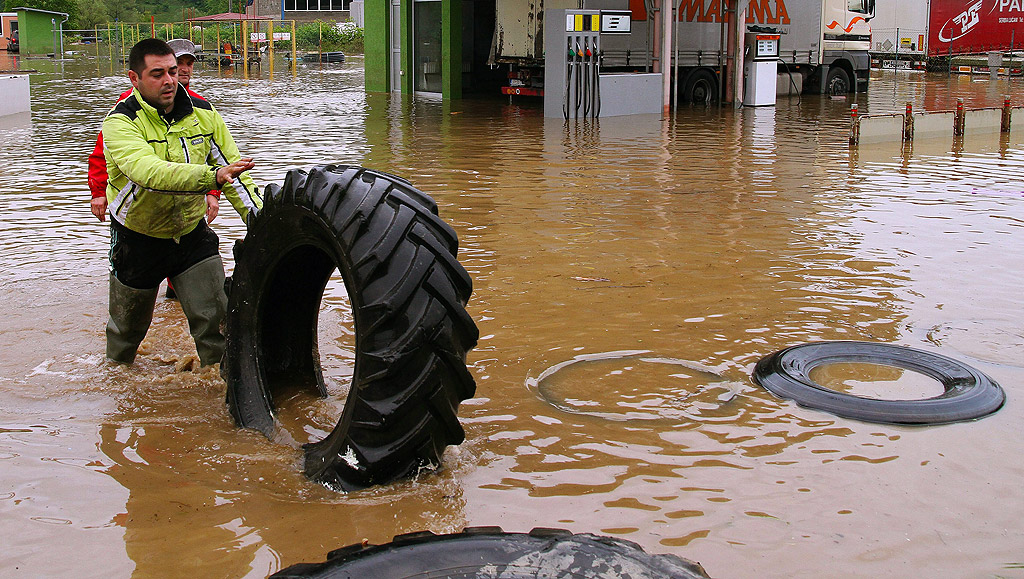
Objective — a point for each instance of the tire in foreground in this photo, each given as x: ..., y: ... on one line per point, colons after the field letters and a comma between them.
x: 484, y: 552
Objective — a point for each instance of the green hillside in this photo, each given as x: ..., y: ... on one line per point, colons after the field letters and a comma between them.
x: 85, y: 14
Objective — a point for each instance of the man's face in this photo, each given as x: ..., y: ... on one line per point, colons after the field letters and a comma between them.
x: 186, y: 63
x: 158, y: 81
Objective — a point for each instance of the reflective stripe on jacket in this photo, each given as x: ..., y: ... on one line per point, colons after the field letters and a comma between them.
x: 160, y: 167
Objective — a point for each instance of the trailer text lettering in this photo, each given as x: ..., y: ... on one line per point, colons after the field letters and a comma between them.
x: 759, y: 11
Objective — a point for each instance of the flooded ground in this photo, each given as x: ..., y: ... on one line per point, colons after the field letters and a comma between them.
x: 628, y: 274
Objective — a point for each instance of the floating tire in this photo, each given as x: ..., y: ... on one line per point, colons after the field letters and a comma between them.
x: 968, y: 393
x: 408, y: 294
x: 489, y: 552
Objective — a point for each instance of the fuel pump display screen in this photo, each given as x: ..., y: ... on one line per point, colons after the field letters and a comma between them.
x: 767, y: 46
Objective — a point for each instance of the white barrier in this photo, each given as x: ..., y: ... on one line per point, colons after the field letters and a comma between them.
x: 930, y: 125
x: 892, y: 127
x: 983, y: 121
x: 881, y: 128
x: 16, y: 94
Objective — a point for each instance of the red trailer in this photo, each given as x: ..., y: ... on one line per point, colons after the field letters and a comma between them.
x: 975, y: 26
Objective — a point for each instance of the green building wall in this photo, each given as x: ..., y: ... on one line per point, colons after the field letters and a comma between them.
x: 377, y: 47
x: 35, y: 31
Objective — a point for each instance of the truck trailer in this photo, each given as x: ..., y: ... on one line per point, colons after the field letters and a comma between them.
x: 974, y: 26
x: 899, y: 32
x: 906, y: 31
x: 824, y: 43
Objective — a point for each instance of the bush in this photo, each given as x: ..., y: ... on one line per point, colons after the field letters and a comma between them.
x: 326, y: 36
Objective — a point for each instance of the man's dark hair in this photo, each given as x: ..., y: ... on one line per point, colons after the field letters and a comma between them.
x: 144, y: 48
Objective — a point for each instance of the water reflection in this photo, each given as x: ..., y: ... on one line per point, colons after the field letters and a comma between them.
x: 705, y: 241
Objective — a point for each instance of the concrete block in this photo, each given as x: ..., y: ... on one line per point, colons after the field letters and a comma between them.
x: 1016, y: 120
x: 16, y: 94
x: 881, y: 129
x: 982, y: 121
x: 933, y: 125
x: 629, y: 94
x: 786, y: 85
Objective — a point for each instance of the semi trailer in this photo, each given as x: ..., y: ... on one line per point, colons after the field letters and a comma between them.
x: 910, y: 30
x: 824, y: 44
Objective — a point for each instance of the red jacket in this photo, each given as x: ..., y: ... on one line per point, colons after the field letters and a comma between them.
x: 98, y: 163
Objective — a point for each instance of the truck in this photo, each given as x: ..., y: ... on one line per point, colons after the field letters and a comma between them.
x: 899, y: 34
x: 974, y: 26
x: 824, y: 44
x: 905, y: 32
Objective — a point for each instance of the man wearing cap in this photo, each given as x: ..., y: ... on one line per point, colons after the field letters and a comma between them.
x: 165, y: 149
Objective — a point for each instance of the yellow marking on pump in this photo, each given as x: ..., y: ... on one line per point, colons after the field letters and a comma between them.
x: 595, y: 22
x: 578, y: 23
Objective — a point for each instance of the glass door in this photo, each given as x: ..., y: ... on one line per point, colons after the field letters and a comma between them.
x: 426, y: 33
x: 396, y: 45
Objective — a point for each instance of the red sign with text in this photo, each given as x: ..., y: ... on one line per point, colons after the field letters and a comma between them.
x: 975, y: 26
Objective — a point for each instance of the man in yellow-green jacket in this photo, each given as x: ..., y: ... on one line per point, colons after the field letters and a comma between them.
x: 165, y: 150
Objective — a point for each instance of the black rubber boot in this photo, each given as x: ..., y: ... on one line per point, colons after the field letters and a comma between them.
x: 131, y: 311
x: 200, y: 291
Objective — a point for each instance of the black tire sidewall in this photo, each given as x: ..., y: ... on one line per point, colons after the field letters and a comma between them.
x: 968, y: 393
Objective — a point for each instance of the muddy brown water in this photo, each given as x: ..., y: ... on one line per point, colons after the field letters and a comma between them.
x: 628, y: 274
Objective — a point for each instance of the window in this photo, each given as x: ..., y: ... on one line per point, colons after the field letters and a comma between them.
x: 861, y: 6
x: 314, y: 5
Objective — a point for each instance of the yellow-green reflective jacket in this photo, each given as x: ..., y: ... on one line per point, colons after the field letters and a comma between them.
x: 161, y: 166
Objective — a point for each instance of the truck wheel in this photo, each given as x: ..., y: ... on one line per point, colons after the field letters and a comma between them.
x: 968, y: 393
x: 490, y: 552
x: 701, y: 88
x: 837, y: 82
x: 408, y: 294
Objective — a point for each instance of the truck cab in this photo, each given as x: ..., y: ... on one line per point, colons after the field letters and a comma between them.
x: 846, y: 39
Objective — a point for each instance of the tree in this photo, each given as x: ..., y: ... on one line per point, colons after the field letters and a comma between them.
x: 124, y: 11
x: 92, y: 13
x: 69, y: 7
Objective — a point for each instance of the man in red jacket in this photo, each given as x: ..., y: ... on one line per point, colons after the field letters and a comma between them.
x: 184, y: 51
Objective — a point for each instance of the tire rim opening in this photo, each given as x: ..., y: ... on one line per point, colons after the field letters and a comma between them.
x: 307, y: 341
x: 878, y: 381
x: 301, y: 412
x: 622, y: 387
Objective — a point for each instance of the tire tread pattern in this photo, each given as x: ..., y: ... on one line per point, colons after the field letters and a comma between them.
x: 491, y: 552
x: 408, y: 293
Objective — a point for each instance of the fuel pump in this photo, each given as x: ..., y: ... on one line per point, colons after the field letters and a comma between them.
x: 760, y: 68
x: 574, y: 85
x: 581, y: 86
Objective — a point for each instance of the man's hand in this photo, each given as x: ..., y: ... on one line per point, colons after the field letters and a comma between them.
x: 212, y: 207
x: 228, y: 173
x: 99, y: 208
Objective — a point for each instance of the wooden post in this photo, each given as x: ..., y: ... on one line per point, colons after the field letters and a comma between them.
x: 855, y: 127
x: 1004, y: 125
x: 908, y: 123
x: 270, y: 46
x: 245, y: 48
x: 958, y: 118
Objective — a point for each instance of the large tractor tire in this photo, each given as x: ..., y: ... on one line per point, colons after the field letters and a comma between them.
x: 487, y: 552
x: 408, y: 295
